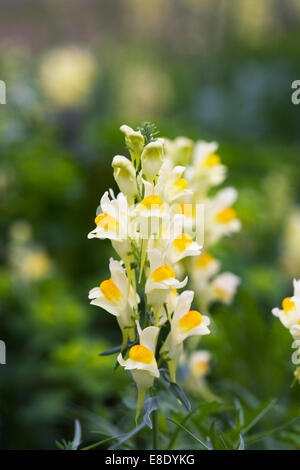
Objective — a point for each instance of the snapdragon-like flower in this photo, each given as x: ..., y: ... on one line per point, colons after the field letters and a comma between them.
x: 185, y: 323
x: 206, y: 167
x: 209, y: 286
x: 220, y: 218
x: 171, y: 185
x: 174, y: 243
x: 180, y: 244
x: 114, y: 296
x: 289, y: 315
x: 142, y: 363
x: 205, y: 266
x: 113, y: 222
x: 111, y: 219
x: 181, y: 247
x: 224, y: 286
x: 161, y: 281
x: 199, y: 364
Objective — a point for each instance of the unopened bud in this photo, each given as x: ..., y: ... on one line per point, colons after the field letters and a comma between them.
x: 134, y: 142
x: 152, y: 159
x: 125, y: 176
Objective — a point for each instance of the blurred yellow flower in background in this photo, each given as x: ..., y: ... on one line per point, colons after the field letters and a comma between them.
x: 253, y: 18
x: 29, y: 261
x: 143, y: 90
x: 36, y: 264
x: 66, y: 75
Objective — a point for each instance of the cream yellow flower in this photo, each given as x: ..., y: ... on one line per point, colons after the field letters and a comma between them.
x: 161, y: 280
x: 174, y: 243
x: 178, y: 244
x: 205, y: 266
x: 206, y: 169
x: 185, y: 323
x: 113, y: 222
x: 224, y: 287
x: 142, y: 362
x: 171, y: 185
x: 150, y: 214
x: 199, y: 364
x: 114, y: 296
x: 289, y: 315
x: 220, y: 218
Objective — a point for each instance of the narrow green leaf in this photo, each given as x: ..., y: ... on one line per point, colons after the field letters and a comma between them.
x: 99, y: 443
x: 257, y: 437
x: 260, y: 413
x: 128, y: 436
x: 110, y: 351
x: 116, y: 349
x: 176, y: 432
x: 179, y: 393
x: 240, y: 418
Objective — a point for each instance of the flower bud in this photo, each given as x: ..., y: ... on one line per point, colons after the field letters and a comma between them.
x: 152, y: 159
x: 125, y: 176
x: 134, y: 142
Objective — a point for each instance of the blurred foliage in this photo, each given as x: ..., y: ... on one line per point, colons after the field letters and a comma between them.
x: 55, y: 163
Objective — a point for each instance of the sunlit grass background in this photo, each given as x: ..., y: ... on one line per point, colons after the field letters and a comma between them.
x: 75, y: 71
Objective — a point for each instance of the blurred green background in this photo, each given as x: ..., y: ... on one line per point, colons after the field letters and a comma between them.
x: 75, y: 71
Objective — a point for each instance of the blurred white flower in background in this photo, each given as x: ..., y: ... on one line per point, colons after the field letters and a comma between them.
x: 199, y: 366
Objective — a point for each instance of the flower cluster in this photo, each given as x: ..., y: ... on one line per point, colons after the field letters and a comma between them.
x: 154, y: 223
x: 289, y: 315
x: 204, y: 171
